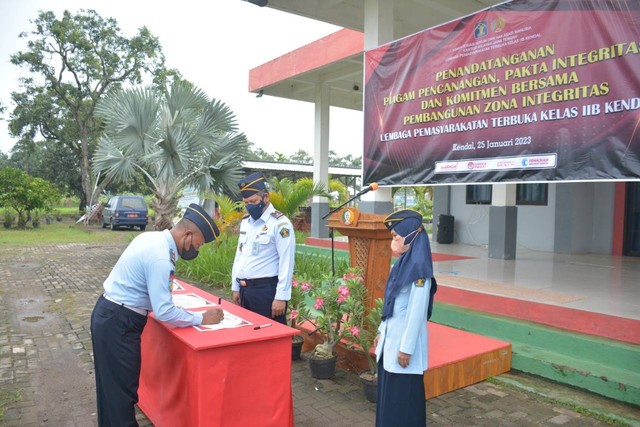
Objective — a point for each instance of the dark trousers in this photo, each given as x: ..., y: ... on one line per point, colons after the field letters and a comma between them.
x: 115, y: 333
x: 258, y: 298
x: 401, y: 400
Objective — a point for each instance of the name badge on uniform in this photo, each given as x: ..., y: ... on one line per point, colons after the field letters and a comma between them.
x: 255, y: 248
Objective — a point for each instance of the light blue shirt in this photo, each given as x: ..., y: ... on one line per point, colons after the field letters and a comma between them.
x: 266, y: 248
x: 141, y: 277
x: 406, y: 330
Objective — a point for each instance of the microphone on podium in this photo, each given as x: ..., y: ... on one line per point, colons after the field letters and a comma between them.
x: 371, y: 187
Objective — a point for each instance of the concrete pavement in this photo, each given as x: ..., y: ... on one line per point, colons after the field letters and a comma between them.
x: 47, y: 293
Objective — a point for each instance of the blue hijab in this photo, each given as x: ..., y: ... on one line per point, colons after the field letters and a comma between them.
x: 414, y: 264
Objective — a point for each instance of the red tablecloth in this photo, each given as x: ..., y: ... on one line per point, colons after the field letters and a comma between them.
x: 233, y: 377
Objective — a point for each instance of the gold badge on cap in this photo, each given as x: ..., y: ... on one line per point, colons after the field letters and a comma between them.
x: 420, y: 282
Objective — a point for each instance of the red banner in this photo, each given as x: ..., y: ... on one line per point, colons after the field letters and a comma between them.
x: 531, y: 90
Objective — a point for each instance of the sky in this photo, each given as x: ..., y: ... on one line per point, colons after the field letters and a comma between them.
x: 214, y: 44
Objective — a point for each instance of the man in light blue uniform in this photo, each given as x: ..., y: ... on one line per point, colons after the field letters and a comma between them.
x: 141, y: 282
x: 402, y: 344
x: 263, y: 266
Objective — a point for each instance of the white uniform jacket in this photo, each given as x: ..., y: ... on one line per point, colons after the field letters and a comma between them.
x: 406, y: 330
x: 266, y: 248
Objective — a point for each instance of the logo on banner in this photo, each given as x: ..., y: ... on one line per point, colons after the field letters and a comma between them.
x: 498, y: 24
x: 481, y: 29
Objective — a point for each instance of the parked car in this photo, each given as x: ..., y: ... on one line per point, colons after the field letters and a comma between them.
x: 125, y: 211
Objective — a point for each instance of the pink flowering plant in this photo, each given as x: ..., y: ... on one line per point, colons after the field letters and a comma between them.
x: 333, y: 300
x: 297, y: 309
x: 361, y: 330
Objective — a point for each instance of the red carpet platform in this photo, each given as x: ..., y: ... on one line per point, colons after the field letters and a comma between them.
x: 456, y: 358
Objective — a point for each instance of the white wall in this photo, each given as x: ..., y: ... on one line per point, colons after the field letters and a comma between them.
x: 471, y: 225
x: 536, y: 224
x: 585, y: 212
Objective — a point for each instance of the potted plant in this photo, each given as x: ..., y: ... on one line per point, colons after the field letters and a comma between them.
x: 294, y: 308
x: 333, y: 299
x: 9, y: 217
x: 361, y: 331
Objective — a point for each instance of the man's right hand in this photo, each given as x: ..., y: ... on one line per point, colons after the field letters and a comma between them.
x: 213, y: 316
x: 236, y: 297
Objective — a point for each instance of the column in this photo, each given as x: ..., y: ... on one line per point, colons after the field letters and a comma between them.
x: 503, y: 222
x: 320, y: 205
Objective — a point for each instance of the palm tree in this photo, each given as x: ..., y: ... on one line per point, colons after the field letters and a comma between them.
x: 176, y: 138
x: 230, y: 212
x: 288, y: 196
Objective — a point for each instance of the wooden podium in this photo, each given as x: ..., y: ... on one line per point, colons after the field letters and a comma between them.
x: 369, y: 246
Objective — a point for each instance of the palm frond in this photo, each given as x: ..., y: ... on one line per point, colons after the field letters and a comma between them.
x: 130, y: 118
x: 113, y: 162
x: 176, y: 138
x: 186, y: 101
x: 220, y: 116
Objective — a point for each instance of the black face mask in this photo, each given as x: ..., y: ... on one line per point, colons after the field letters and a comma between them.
x: 256, y: 210
x: 189, y: 254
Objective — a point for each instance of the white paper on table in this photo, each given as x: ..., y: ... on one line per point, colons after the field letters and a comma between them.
x: 175, y: 286
x: 191, y: 301
x: 229, y: 321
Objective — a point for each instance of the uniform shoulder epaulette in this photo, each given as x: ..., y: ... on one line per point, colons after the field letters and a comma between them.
x: 246, y: 216
x: 277, y: 214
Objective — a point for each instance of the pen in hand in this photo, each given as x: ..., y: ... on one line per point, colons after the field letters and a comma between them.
x: 262, y: 326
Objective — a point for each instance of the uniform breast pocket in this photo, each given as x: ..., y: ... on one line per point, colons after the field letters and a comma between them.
x: 402, y: 300
x: 264, y: 239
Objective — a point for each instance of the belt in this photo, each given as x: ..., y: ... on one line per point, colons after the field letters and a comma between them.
x: 140, y: 311
x: 259, y: 281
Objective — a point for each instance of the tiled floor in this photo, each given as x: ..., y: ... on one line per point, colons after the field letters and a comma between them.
x: 596, y: 283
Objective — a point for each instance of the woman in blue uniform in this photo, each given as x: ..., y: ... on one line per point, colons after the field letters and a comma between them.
x: 401, y: 344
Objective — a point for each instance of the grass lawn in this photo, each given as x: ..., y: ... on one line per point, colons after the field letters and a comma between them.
x: 66, y: 231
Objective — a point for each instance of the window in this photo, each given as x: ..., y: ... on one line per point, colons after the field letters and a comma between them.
x: 532, y: 194
x: 479, y: 194
x: 526, y: 194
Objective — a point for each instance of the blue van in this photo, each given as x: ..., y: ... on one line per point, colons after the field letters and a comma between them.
x: 125, y: 211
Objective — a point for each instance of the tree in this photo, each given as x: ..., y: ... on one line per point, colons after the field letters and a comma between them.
x: 336, y: 186
x: 176, y: 138
x: 73, y: 62
x: 24, y: 193
x: 288, y: 196
x: 301, y: 156
x: 4, y: 160
x: 51, y: 161
x: 259, y: 154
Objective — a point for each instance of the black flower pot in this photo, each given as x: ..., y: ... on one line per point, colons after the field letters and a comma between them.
x: 296, y: 347
x: 369, y: 385
x: 322, y: 368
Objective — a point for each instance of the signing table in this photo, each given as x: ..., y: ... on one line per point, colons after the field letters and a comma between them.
x: 234, y: 376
